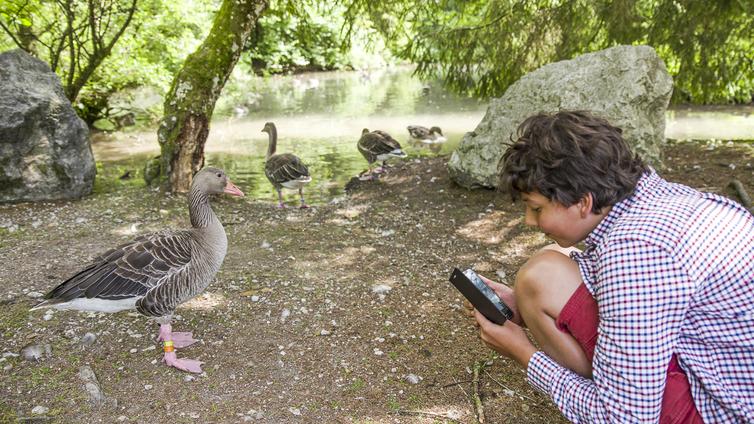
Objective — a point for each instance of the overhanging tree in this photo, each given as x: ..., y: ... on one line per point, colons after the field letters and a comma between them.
x: 191, y: 100
x: 483, y: 46
x: 73, y: 36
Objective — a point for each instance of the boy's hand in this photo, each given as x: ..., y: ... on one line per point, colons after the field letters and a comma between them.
x: 505, y: 294
x: 508, y: 339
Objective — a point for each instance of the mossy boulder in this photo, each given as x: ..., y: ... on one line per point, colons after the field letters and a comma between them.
x: 44, y: 146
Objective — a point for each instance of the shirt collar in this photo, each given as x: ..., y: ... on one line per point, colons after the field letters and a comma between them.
x: 644, y: 187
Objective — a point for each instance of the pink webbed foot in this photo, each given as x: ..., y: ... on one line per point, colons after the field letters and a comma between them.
x: 281, y: 205
x: 183, y: 339
x: 189, y: 365
x: 304, y: 206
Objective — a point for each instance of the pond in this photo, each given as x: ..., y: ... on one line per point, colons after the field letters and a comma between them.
x: 320, y: 116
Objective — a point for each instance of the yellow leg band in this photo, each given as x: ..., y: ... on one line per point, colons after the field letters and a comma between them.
x: 167, y: 346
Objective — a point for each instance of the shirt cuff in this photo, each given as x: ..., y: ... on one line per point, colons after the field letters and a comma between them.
x: 541, y: 371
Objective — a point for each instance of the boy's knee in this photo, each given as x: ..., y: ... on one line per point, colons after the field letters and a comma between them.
x: 547, y: 274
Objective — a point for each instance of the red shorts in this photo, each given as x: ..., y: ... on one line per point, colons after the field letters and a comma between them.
x: 580, y: 318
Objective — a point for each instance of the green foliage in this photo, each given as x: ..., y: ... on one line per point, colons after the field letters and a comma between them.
x: 483, y: 46
x: 295, y: 36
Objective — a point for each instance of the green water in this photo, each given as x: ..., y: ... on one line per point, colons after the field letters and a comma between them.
x: 320, y: 116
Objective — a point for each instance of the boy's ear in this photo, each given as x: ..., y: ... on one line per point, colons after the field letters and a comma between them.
x: 585, y: 205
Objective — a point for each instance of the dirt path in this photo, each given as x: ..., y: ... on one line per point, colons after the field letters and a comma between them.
x: 341, y: 313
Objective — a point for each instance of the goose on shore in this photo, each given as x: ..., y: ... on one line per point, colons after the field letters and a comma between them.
x: 155, y: 273
x: 284, y: 169
x: 378, y: 146
x: 426, y: 135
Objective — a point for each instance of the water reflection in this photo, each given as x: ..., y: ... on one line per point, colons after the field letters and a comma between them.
x: 320, y: 117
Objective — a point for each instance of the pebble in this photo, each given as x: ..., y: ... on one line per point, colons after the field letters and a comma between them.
x: 34, y: 295
x: 88, y: 339
x: 413, y: 379
x: 35, y: 352
x: 324, y: 333
x: 381, y: 288
x: 39, y: 410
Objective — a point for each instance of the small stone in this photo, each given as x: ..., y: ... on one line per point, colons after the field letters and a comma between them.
x: 35, y: 352
x: 413, y: 379
x: 88, y: 339
x: 34, y: 295
x: 40, y: 410
x: 122, y: 418
x: 324, y: 333
x: 295, y: 411
x: 147, y: 387
x: 381, y: 288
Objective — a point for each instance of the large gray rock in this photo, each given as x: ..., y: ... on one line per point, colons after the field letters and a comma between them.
x: 44, y: 146
x: 627, y: 85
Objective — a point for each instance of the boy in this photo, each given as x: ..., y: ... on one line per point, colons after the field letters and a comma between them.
x: 654, y: 320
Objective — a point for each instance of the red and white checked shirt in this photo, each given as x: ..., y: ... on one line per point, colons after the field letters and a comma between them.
x: 672, y: 271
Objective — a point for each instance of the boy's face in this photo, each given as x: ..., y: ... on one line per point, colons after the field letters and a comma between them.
x: 566, y: 225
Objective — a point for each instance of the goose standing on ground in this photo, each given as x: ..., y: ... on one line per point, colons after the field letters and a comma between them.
x: 156, y: 272
x: 426, y: 135
x: 378, y: 146
x: 284, y: 169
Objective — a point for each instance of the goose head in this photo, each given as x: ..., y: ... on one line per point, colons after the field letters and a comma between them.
x: 212, y: 180
x: 435, y: 130
x: 365, y: 131
x: 269, y: 128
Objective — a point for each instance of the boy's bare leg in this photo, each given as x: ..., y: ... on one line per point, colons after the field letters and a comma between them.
x: 543, y: 287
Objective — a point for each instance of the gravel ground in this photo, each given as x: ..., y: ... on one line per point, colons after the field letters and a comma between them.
x: 339, y: 313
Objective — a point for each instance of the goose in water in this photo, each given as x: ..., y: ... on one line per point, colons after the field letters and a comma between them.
x: 426, y: 135
x: 378, y: 146
x: 156, y: 272
x: 284, y: 169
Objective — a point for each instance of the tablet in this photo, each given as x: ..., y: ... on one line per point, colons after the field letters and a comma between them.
x: 481, y: 296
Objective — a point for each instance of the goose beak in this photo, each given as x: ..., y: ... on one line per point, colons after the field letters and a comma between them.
x: 231, y: 189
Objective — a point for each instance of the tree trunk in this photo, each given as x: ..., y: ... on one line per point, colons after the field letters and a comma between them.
x: 191, y: 100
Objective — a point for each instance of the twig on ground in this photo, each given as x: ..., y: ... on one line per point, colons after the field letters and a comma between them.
x: 738, y: 187
x: 426, y: 414
x: 508, y: 388
x: 477, y: 399
x: 455, y: 383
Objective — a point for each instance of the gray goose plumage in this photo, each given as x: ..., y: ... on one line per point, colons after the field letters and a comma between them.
x: 284, y: 169
x: 378, y: 146
x: 156, y: 272
x: 426, y: 135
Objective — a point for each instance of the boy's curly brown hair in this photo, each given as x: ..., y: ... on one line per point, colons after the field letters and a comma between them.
x: 568, y: 154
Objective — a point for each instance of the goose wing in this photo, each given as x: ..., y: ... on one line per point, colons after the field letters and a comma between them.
x: 285, y: 167
x: 129, y: 270
x: 375, y: 143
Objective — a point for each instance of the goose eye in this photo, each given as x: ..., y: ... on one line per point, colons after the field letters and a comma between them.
x: 219, y: 175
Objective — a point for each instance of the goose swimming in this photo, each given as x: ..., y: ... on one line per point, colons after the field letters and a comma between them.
x: 284, y: 169
x: 155, y: 273
x: 378, y: 146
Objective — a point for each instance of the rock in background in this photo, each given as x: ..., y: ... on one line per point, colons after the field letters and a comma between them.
x: 44, y: 146
x: 627, y: 85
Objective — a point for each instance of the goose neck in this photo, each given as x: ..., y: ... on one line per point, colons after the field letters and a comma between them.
x: 200, y: 211
x: 273, y: 141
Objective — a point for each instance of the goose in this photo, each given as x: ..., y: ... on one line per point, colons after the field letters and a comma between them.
x: 423, y: 134
x: 378, y: 146
x: 284, y: 169
x: 156, y: 272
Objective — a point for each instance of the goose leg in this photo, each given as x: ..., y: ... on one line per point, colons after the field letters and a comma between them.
x: 169, y: 345
x: 367, y: 175
x: 281, y: 205
x: 303, y: 203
